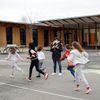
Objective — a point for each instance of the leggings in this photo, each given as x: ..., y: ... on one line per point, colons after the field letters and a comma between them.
x: 35, y: 63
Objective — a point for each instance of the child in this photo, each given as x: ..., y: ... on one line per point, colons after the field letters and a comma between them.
x: 34, y: 62
x: 13, y: 57
x: 79, y: 57
x: 65, y: 55
x: 56, y: 49
x: 41, y: 58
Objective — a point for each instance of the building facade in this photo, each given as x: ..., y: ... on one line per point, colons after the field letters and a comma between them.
x: 86, y: 30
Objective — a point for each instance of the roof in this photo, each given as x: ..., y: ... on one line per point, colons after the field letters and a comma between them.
x: 72, y: 21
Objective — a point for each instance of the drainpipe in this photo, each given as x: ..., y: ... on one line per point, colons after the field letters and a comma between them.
x: 96, y: 39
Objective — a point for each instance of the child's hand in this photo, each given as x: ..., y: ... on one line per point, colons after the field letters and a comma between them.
x: 6, y: 58
x: 28, y: 57
x: 22, y: 60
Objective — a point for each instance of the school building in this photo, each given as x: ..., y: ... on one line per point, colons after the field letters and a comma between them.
x: 84, y: 29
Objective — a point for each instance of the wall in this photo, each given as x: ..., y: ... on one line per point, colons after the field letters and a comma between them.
x: 2, y: 36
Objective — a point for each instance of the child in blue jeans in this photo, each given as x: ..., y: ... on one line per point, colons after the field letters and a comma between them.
x: 65, y: 55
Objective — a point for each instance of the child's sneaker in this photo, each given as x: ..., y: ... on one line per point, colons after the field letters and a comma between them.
x: 77, y: 88
x: 29, y: 78
x: 88, y: 90
x: 46, y: 76
x: 53, y: 74
x: 38, y: 76
x: 60, y: 74
x: 11, y: 76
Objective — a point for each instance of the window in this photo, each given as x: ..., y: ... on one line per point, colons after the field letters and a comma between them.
x: 22, y: 36
x: 46, y: 38
x: 35, y: 37
x: 9, y: 35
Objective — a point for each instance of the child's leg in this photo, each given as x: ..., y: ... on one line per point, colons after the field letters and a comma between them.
x: 40, y: 67
x: 54, y: 65
x: 60, y: 67
x: 36, y: 63
x: 72, y: 71
x: 12, y: 69
x: 17, y: 67
x: 83, y: 76
x: 77, y: 75
x: 88, y: 88
x: 77, y: 79
x: 30, y: 69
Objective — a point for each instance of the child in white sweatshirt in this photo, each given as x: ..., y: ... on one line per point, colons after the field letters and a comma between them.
x: 79, y: 57
x: 13, y: 57
x: 41, y: 58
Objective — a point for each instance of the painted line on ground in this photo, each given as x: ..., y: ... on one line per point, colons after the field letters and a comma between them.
x: 43, y: 92
x: 92, y: 71
x: 1, y: 83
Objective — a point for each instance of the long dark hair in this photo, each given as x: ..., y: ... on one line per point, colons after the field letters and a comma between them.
x: 31, y: 46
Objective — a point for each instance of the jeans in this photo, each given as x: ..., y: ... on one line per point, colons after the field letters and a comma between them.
x: 55, y: 65
x: 72, y: 71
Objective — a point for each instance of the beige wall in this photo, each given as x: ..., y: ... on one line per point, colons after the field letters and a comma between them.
x: 40, y: 37
x: 16, y: 35
x: 2, y: 36
x: 28, y: 36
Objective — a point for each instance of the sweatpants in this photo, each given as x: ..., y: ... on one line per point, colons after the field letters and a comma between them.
x: 79, y: 74
x: 14, y: 67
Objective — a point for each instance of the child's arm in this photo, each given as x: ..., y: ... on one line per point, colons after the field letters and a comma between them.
x: 63, y: 56
x: 9, y: 55
x: 19, y: 57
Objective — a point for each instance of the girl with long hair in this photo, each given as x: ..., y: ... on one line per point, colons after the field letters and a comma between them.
x: 79, y: 57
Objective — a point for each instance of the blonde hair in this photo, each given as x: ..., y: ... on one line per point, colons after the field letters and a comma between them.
x: 77, y: 46
x: 12, y: 50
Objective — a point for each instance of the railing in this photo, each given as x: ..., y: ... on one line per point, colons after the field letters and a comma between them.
x: 8, y: 46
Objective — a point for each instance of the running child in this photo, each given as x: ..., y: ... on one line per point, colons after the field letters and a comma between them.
x: 13, y: 57
x: 79, y: 57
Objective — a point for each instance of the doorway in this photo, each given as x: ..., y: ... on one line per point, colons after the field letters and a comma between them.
x: 46, y: 38
x: 22, y: 36
x: 9, y: 36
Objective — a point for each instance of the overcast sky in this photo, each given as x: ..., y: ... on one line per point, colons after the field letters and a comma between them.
x: 36, y: 10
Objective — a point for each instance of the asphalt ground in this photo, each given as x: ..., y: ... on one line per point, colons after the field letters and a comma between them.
x: 55, y: 88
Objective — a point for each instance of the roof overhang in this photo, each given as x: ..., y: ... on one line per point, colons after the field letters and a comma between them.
x: 72, y: 21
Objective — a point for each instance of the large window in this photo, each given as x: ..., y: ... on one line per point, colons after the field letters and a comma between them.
x: 9, y: 35
x: 68, y: 37
x: 46, y: 38
x: 57, y: 34
x: 22, y: 36
x: 35, y: 37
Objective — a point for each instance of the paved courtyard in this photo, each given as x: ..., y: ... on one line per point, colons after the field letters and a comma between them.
x: 55, y: 88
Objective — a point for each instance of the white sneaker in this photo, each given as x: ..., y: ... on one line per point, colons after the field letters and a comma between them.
x: 11, y: 76
x: 60, y: 74
x: 53, y: 74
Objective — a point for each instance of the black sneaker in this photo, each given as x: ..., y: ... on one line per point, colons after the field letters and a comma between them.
x: 38, y: 76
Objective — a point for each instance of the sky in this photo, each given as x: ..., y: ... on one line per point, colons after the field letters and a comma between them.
x: 40, y: 10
